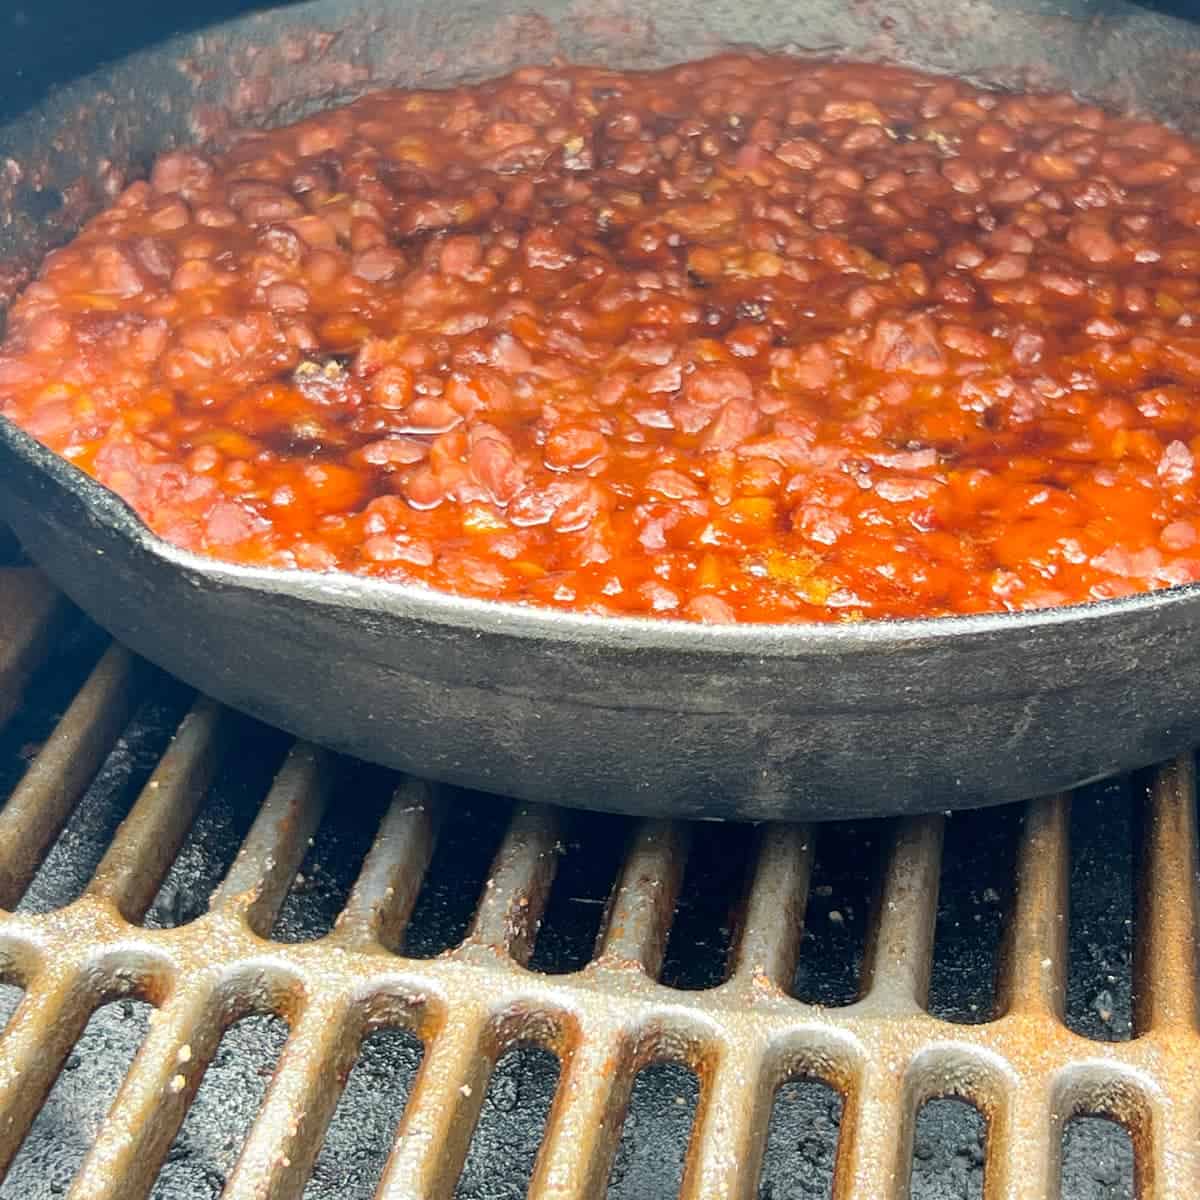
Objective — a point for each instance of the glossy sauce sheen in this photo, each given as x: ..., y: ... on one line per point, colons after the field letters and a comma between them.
x: 753, y: 339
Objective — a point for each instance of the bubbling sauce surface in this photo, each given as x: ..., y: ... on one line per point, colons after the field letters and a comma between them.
x: 749, y: 339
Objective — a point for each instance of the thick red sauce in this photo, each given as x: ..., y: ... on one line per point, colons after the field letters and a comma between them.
x: 752, y: 339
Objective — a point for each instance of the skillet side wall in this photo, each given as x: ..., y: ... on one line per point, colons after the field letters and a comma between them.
x: 805, y: 728
x: 787, y: 723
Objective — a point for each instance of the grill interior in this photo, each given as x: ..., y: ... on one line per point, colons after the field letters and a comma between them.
x: 233, y: 965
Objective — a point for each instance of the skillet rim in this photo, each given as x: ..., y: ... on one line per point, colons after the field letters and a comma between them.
x: 349, y: 592
x: 416, y: 602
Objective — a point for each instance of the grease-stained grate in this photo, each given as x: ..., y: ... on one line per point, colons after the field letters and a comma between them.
x: 734, y: 1045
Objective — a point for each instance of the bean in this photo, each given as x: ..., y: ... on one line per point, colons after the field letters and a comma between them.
x: 287, y: 297
x: 174, y: 215
x: 392, y: 387
x: 192, y: 275
x: 215, y: 216
x: 1063, y: 282
x: 574, y: 448
x: 966, y: 341
x: 314, y: 231
x: 377, y: 264
x: 319, y: 137
x: 461, y: 256
x: 964, y: 256
x: 962, y: 176
x: 953, y: 289
x: 1003, y: 267
x: 182, y: 171
x: 1014, y: 191
x: 1055, y: 168
x: 1093, y: 242
x: 116, y: 275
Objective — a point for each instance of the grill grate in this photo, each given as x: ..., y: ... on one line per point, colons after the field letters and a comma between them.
x: 593, y: 1036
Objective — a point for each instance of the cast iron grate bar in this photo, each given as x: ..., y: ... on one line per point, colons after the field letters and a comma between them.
x: 885, y: 1055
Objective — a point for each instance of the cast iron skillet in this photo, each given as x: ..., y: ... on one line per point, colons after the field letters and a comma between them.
x: 639, y: 716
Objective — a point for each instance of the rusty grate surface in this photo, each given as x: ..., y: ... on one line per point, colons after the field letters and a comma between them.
x: 214, y: 955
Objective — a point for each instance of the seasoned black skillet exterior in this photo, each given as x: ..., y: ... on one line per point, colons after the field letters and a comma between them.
x: 647, y: 717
